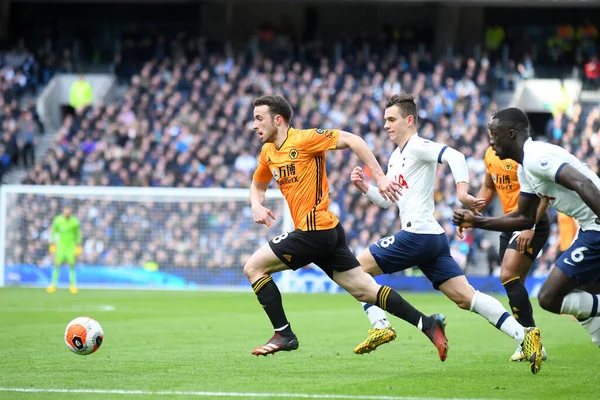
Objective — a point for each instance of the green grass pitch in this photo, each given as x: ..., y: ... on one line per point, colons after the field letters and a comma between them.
x: 197, y: 345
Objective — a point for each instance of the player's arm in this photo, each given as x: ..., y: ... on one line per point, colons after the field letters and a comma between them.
x: 572, y: 179
x: 257, y: 193
x: 524, y: 217
x: 78, y: 248
x: 525, y: 238
x: 53, y: 230
x: 260, y: 213
x: 388, y: 189
x: 460, y: 171
x: 260, y: 183
x: 51, y: 241
x: 487, y: 191
x: 357, y: 177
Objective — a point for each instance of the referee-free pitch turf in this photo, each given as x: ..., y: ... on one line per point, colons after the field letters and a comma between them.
x: 191, y: 344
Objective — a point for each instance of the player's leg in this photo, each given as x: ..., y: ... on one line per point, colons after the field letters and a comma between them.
x: 258, y: 270
x: 382, y: 331
x: 376, y: 315
x: 515, y: 267
x: 72, y: 278
x: 560, y: 289
x: 364, y: 288
x: 59, y: 260
x: 580, y: 264
x: 514, y: 270
x: 446, y: 275
x: 466, y: 297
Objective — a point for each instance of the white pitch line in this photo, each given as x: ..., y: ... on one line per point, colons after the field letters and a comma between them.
x: 218, y: 394
x: 18, y: 309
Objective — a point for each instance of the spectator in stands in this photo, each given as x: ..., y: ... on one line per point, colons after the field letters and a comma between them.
x: 26, y: 139
x: 592, y: 73
x: 170, y: 128
x: 81, y: 94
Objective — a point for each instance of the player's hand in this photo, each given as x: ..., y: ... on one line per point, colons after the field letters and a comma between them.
x: 389, y: 189
x: 357, y: 177
x: 78, y: 251
x: 262, y: 215
x: 460, y: 232
x: 52, y: 248
x: 463, y: 218
x: 524, y: 240
x: 472, y: 203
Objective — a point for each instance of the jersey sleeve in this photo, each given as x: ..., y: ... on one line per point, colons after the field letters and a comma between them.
x: 426, y: 150
x: 486, y: 159
x: 526, y: 188
x: 262, y: 172
x: 319, y: 140
x: 545, y: 167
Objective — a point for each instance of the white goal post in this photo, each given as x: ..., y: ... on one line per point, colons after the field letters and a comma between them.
x: 162, y: 238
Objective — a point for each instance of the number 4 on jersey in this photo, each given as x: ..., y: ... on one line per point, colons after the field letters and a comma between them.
x: 402, y: 182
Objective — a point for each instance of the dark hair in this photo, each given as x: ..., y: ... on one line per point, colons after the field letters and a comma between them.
x: 512, y: 118
x: 406, y: 103
x: 277, y: 106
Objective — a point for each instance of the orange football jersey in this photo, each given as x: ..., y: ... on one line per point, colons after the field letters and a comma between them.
x: 504, y: 175
x: 299, y: 168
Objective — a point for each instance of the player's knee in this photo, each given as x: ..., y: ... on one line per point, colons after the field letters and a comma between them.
x: 462, y: 300
x: 252, y: 271
x: 366, y: 296
x: 507, y: 274
x: 549, y: 301
x: 464, y: 304
x: 363, y: 294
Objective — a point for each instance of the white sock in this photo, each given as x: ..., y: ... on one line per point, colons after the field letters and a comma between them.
x: 376, y: 316
x: 592, y: 326
x: 492, y: 310
x: 580, y: 305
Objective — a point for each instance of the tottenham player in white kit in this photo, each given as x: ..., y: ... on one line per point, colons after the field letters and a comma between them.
x: 551, y: 173
x: 422, y: 242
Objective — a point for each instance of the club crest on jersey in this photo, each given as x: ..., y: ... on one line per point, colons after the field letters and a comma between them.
x: 294, y: 154
x: 275, y: 174
x: 544, y: 163
x: 508, y: 166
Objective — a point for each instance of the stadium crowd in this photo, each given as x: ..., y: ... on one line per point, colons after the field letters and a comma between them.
x: 186, y: 121
x: 19, y: 123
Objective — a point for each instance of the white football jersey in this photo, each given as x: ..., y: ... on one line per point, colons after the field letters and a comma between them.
x: 538, y: 174
x: 414, y: 168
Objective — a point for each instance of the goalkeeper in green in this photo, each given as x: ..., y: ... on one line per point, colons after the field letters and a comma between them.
x: 65, y: 243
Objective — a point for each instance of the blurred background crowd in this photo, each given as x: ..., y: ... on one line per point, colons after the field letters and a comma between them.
x: 184, y: 119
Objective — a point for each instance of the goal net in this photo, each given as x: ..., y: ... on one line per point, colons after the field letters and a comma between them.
x: 136, y: 237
